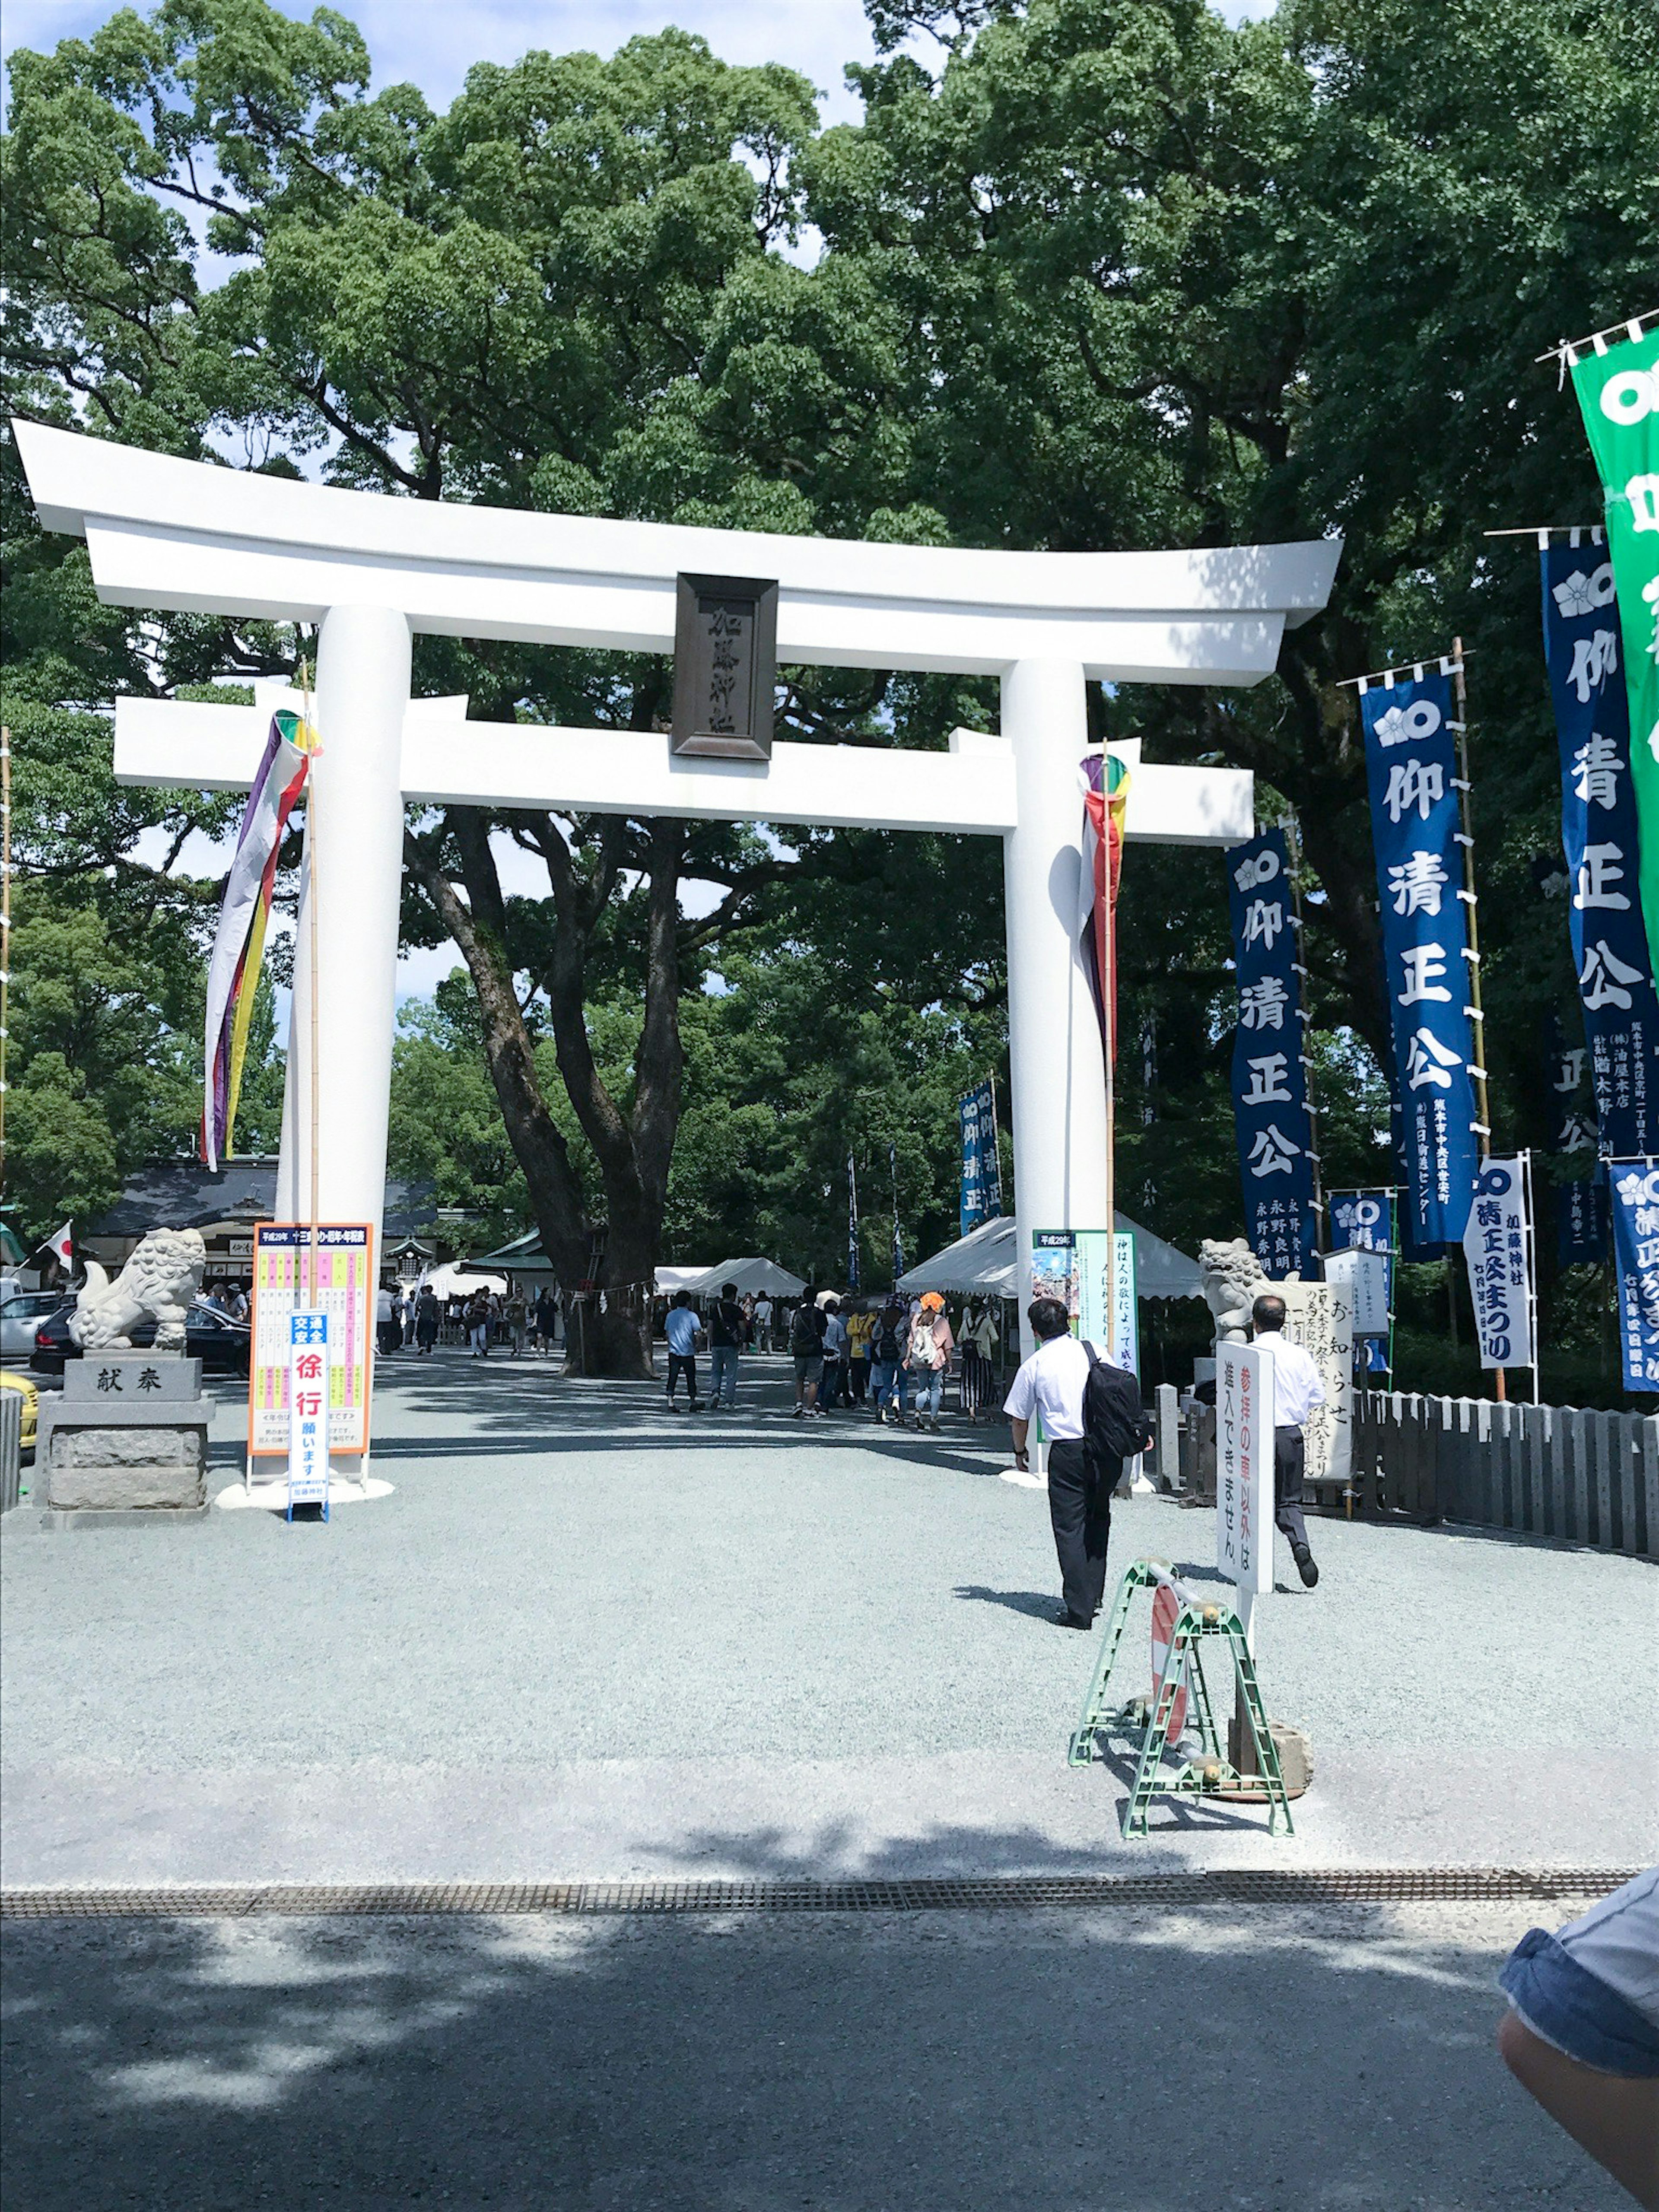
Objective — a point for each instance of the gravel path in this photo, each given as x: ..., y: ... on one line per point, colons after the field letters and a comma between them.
x: 586, y: 1639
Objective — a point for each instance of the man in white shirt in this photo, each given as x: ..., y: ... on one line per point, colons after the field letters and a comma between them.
x: 1297, y: 1390
x: 1051, y: 1384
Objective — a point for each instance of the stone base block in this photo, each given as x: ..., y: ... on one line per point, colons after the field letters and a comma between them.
x: 120, y: 1466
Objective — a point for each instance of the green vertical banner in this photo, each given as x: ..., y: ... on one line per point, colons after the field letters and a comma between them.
x: 1619, y: 392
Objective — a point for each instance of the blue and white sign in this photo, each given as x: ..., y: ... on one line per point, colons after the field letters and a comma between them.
x: 1580, y: 1223
x: 1635, y: 1261
x: 1411, y: 767
x: 1599, y: 836
x: 308, y: 1410
x: 982, y: 1178
x: 1498, y: 1247
x: 1270, y: 1077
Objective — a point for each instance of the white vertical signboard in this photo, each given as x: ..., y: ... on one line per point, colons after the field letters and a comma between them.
x: 1497, y: 1247
x: 1319, y: 1316
x: 308, y: 1410
x: 1244, y: 1469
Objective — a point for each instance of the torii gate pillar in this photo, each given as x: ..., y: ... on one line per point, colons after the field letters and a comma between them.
x: 354, y: 860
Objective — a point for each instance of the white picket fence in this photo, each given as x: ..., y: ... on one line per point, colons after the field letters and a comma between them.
x: 1586, y: 1476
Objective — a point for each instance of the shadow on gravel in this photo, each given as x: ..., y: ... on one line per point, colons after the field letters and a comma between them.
x: 1105, y: 2060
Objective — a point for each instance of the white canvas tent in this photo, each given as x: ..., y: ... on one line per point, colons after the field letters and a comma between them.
x: 985, y: 1263
x: 754, y: 1274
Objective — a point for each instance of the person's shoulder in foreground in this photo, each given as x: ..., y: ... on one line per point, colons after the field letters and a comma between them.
x: 1581, y: 2034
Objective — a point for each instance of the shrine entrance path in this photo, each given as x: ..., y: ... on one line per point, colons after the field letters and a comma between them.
x: 588, y: 1639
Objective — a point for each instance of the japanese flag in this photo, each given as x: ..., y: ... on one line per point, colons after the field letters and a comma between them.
x: 64, y: 1244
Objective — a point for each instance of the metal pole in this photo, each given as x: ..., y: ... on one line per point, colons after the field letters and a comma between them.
x: 1109, y: 994
x: 1483, y: 1111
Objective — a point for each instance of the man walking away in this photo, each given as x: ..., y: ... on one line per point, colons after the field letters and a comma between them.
x: 427, y: 1316
x: 1087, y: 1441
x: 889, y: 1379
x: 806, y: 1349
x: 1297, y: 1390
x: 763, y: 1324
x: 728, y: 1325
x: 518, y: 1320
x: 832, y: 1390
x: 928, y: 1356
x: 681, y: 1330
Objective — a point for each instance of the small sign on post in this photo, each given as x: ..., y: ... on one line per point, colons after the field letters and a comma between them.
x: 307, y: 1411
x: 1244, y: 1469
x: 726, y: 667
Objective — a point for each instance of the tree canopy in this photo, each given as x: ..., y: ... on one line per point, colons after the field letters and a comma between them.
x: 1088, y: 274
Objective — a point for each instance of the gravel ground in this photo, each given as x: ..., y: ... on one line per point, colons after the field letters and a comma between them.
x: 1263, y: 2059
x: 586, y: 1639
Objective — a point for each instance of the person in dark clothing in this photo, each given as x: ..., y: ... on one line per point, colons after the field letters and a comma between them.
x: 728, y: 1328
x: 427, y: 1316
x: 1051, y: 1384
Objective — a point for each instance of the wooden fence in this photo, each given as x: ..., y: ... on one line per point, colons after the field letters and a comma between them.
x: 1590, y: 1478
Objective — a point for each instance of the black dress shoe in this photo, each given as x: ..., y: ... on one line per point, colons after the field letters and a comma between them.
x: 1064, y: 1619
x: 1306, y: 1565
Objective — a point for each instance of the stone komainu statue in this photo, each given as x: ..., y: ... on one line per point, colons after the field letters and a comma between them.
x: 161, y: 1278
x: 1233, y: 1280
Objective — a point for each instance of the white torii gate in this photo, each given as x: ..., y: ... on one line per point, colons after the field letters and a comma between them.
x: 372, y: 571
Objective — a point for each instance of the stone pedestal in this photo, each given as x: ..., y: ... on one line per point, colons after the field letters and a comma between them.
x: 126, y: 1441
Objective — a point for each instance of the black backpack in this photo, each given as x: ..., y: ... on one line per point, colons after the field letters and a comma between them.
x: 887, y: 1347
x: 1114, y: 1423
x: 803, y: 1338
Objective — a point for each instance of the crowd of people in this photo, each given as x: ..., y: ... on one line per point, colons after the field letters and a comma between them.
x: 514, y: 1322
x: 892, y: 1358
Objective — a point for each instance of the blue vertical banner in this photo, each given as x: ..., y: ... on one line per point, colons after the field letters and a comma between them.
x: 852, y: 1225
x: 1600, y: 836
x: 1635, y: 1190
x: 1363, y: 1221
x: 981, y: 1177
x: 1270, y: 1077
x: 1580, y: 1223
x: 1411, y: 768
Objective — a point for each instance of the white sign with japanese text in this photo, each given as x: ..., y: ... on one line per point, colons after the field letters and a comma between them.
x: 1319, y: 1316
x: 1497, y: 1247
x: 1363, y: 1274
x: 307, y: 1409
x: 1244, y: 1466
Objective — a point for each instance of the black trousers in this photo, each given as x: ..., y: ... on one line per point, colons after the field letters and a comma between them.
x: 1290, y: 1458
x: 1080, y: 1508
x: 682, y: 1363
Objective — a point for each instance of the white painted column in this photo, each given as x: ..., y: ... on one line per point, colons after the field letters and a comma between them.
x: 355, y: 836
x: 1058, y: 1098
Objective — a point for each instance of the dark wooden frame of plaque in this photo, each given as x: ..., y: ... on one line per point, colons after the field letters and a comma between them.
x: 753, y: 739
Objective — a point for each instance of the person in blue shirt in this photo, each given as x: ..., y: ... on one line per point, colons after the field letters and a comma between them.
x: 681, y: 1330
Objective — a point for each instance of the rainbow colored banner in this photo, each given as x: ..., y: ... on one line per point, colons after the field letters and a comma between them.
x: 240, y: 941
x: 1105, y: 801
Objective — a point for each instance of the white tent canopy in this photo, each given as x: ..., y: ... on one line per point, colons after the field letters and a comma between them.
x: 987, y: 1262
x: 455, y: 1279
x: 754, y: 1274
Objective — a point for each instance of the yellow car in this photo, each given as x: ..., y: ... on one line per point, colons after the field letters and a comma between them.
x: 11, y: 1380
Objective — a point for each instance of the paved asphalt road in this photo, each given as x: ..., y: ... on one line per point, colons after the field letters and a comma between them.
x: 1262, y: 2060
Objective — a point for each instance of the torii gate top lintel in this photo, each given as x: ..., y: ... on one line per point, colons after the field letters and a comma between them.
x: 199, y: 538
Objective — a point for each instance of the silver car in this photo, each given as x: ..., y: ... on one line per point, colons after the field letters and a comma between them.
x: 21, y: 1315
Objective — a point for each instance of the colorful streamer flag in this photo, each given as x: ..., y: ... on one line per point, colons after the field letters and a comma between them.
x: 1105, y: 800
x: 981, y: 1175
x: 1580, y: 1223
x: 1602, y: 839
x: 1497, y: 1249
x: 852, y: 1225
x: 239, y: 943
x: 1270, y: 1077
x: 1636, y: 1262
x: 1619, y: 392
x: 1411, y: 766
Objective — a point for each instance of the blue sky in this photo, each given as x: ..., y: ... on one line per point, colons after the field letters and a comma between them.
x: 432, y: 42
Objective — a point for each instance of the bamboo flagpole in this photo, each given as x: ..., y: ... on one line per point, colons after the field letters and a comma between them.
x: 1477, y: 1015
x: 315, y: 1106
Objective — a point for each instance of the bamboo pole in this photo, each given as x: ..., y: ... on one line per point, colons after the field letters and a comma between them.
x: 1293, y: 840
x: 1476, y: 1012
x: 316, y: 973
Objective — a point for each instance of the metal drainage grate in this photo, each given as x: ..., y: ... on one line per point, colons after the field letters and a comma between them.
x: 1252, y: 1886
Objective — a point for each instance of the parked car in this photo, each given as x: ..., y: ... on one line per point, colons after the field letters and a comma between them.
x: 21, y: 1315
x: 11, y: 1380
x: 221, y: 1343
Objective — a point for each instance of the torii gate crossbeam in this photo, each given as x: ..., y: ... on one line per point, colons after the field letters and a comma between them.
x: 373, y: 571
